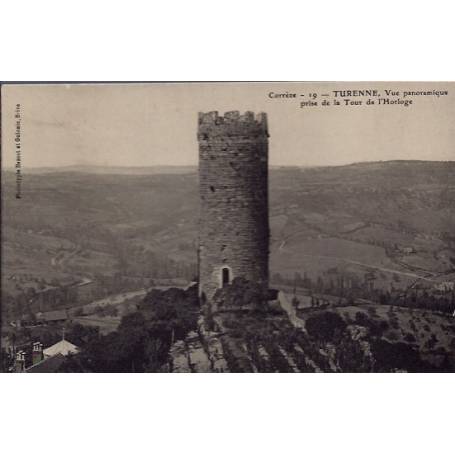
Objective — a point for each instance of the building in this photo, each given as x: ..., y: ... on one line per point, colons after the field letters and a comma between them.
x: 63, y: 347
x: 50, y: 359
x: 49, y: 365
x: 19, y: 363
x: 53, y: 317
x: 42, y: 360
x: 37, y: 352
x: 233, y: 187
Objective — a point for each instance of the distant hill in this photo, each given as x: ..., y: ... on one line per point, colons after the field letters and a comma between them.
x: 115, y: 170
x: 384, y: 166
x: 82, y: 220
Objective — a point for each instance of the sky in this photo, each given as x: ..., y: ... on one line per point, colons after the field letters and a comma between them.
x: 156, y: 124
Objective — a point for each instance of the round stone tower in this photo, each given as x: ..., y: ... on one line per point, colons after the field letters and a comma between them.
x: 233, y: 186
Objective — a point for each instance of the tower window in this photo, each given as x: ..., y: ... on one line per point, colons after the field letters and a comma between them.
x: 212, y: 188
x: 224, y: 276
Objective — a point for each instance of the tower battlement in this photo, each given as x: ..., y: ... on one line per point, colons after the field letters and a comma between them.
x: 232, y: 123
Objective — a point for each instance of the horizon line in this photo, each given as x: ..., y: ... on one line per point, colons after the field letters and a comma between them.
x: 12, y: 168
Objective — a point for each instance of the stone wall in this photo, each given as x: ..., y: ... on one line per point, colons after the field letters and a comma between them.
x: 233, y: 183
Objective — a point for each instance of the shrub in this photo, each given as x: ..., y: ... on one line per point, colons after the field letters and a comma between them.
x: 430, y: 344
x: 325, y: 326
x: 240, y: 294
x: 393, y: 336
x: 376, y: 328
x: 394, y: 323
x: 396, y: 356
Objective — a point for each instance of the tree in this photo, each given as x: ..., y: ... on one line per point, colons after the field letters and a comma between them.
x: 307, y: 283
x: 81, y: 335
x: 325, y: 326
x: 143, y: 339
x: 6, y: 361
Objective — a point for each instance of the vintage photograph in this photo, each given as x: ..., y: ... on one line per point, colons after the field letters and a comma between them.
x: 228, y: 227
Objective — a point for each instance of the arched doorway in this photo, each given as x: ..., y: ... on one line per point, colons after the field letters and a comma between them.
x: 225, y: 276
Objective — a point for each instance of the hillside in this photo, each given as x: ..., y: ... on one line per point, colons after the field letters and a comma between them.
x: 393, y: 219
x: 361, y: 338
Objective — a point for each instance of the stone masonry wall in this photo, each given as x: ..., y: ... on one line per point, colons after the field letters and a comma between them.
x: 233, y: 183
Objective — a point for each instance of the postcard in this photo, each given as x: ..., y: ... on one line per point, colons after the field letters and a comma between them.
x: 228, y: 227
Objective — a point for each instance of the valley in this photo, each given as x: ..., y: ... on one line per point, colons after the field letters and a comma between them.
x: 389, y: 224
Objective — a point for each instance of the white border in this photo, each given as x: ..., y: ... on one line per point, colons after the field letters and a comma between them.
x: 235, y: 40
x: 227, y: 413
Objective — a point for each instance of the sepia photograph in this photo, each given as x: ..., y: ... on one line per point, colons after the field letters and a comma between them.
x: 251, y: 188
x: 241, y: 227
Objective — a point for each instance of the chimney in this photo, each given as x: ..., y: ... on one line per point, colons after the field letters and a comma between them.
x: 37, y: 355
x: 19, y: 365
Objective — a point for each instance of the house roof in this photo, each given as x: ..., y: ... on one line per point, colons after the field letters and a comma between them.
x: 49, y: 365
x: 56, y: 315
x: 63, y: 347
